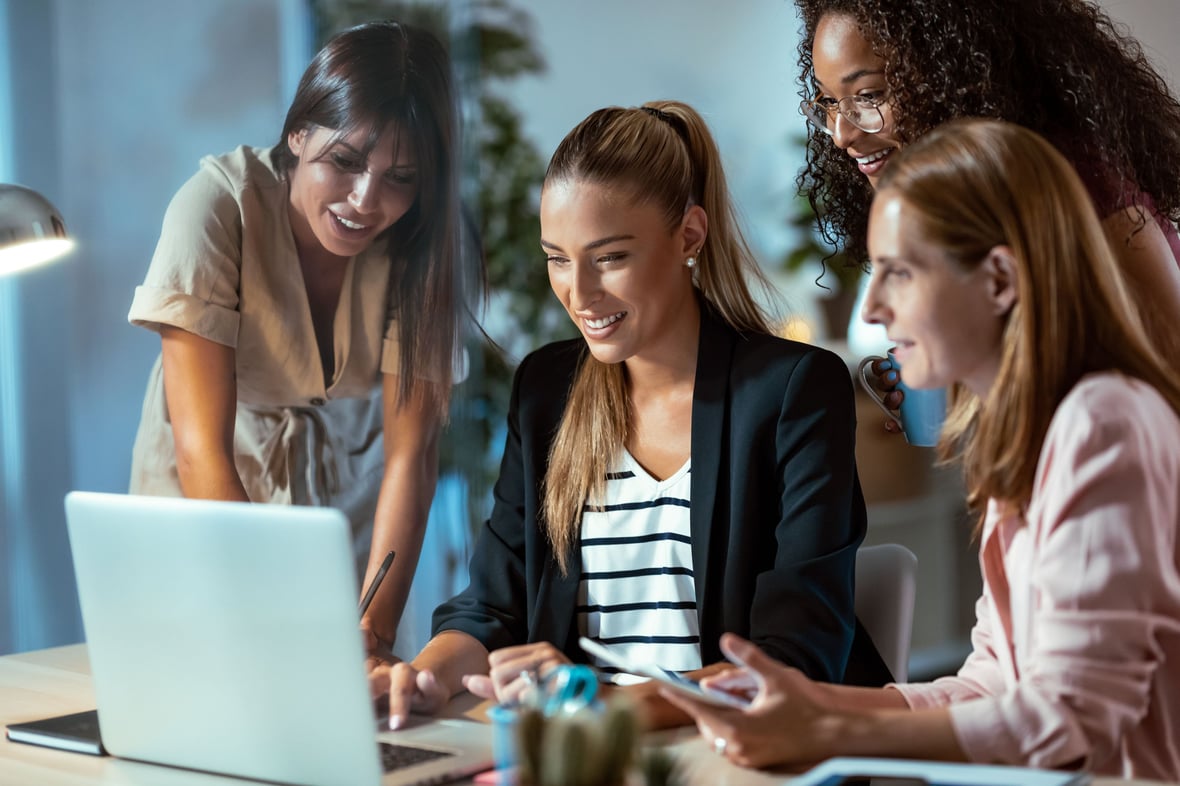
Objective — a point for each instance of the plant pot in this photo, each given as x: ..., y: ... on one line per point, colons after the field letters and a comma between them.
x: 836, y: 311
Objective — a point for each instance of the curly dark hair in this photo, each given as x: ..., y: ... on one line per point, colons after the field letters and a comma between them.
x: 1062, y: 68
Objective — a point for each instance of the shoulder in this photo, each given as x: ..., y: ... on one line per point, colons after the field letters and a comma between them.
x: 542, y: 385
x: 241, y: 168
x: 552, y: 362
x: 243, y: 177
x: 1111, y: 398
x: 1110, y: 409
x: 1109, y: 187
x: 759, y: 355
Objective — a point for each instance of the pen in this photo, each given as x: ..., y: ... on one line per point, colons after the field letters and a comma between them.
x: 369, y: 593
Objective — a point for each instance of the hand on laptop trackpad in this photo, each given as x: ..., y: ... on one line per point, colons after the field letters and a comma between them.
x: 381, y: 714
x: 381, y: 711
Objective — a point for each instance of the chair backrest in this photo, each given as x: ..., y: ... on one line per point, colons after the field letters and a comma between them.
x: 886, y: 583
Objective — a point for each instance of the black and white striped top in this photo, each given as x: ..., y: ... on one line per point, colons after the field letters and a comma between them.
x: 637, y: 594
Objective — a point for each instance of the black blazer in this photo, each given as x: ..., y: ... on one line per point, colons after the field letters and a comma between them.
x: 777, y: 512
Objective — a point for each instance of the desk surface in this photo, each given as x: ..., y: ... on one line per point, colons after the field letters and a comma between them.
x: 57, y: 681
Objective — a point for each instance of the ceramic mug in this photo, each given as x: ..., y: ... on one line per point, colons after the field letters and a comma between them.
x: 922, y: 410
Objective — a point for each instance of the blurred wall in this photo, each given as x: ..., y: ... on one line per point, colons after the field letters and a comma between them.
x: 107, y: 106
x: 111, y: 105
x: 733, y: 62
x: 1156, y: 24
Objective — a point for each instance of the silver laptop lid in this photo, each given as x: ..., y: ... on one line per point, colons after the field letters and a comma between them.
x: 223, y: 636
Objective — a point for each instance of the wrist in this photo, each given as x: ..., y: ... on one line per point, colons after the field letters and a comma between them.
x: 449, y: 656
x: 852, y: 732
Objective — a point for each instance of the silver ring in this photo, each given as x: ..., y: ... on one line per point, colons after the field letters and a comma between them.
x: 719, y: 745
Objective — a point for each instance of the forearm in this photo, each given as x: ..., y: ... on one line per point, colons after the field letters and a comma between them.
x: 399, y: 525
x: 450, y: 656
x: 919, y: 734
x: 200, y: 389
x: 847, y: 698
x: 209, y: 474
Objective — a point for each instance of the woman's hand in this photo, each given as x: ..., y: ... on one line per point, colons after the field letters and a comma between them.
x: 885, y: 378
x: 788, y: 719
x: 375, y: 646
x: 514, y: 670
x: 377, y: 649
x: 409, y: 689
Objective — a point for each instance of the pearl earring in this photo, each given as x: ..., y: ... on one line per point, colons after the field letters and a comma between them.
x: 690, y: 263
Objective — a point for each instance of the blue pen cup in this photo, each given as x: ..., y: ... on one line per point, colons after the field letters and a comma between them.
x: 504, y: 741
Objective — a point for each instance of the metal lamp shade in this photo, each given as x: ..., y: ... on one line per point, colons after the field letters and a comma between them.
x: 31, y: 230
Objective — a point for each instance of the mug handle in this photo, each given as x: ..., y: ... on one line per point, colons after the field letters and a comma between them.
x: 868, y: 386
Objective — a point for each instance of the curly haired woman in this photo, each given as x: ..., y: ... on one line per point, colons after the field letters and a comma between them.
x: 878, y: 74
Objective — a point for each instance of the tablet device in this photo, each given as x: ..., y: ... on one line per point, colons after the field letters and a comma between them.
x: 856, y: 771
x: 679, y: 682
x: 76, y: 732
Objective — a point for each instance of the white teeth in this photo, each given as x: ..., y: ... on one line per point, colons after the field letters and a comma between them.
x: 599, y: 324
x: 873, y: 157
x: 349, y: 224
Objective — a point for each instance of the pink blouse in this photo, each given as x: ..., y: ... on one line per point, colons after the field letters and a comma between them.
x: 1076, y: 656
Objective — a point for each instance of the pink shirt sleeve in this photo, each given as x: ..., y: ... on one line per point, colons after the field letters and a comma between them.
x: 979, y: 676
x: 1104, y: 585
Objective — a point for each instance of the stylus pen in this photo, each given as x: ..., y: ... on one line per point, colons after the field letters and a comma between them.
x: 381, y: 571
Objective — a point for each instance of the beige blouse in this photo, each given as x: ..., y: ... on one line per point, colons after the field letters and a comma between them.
x: 226, y: 269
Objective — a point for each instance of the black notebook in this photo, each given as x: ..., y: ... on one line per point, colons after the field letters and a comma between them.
x: 77, y: 732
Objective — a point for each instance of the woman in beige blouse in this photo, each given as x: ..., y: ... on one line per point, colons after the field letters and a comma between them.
x: 308, y: 297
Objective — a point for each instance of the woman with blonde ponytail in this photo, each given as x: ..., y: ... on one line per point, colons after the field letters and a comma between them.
x: 677, y: 471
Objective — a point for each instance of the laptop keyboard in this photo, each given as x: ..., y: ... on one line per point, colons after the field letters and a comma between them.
x: 396, y: 757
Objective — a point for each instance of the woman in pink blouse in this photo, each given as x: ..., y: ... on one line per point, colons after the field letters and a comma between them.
x: 991, y: 273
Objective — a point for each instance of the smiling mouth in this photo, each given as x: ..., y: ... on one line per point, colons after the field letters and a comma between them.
x: 599, y: 324
x: 873, y: 157
x: 350, y: 225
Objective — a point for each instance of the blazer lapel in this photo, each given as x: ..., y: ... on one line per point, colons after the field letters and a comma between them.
x: 709, y: 425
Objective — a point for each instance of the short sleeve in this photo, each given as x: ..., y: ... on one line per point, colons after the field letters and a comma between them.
x: 193, y: 280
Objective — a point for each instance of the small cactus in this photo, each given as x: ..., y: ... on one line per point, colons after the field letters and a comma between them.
x: 592, y: 747
x: 658, y: 768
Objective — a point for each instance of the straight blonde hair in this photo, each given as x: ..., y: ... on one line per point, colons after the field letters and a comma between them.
x: 663, y: 154
x: 978, y: 184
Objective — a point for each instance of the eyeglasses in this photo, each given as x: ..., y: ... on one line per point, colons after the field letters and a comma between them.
x: 863, y: 111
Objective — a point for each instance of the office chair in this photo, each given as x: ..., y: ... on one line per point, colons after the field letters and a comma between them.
x: 886, y: 583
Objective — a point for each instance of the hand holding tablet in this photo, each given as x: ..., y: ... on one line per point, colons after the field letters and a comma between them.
x: 672, y: 679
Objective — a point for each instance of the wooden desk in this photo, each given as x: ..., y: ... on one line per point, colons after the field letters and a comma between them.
x: 57, y: 681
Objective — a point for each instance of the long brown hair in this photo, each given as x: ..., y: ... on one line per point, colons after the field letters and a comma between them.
x: 978, y: 184
x: 663, y: 154
x: 369, y: 77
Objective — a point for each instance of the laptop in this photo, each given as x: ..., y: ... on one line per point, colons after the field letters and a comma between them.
x: 223, y: 637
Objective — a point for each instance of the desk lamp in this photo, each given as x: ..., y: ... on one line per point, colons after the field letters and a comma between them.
x: 31, y: 230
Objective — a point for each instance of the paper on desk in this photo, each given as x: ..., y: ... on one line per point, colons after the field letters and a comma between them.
x: 834, y: 771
